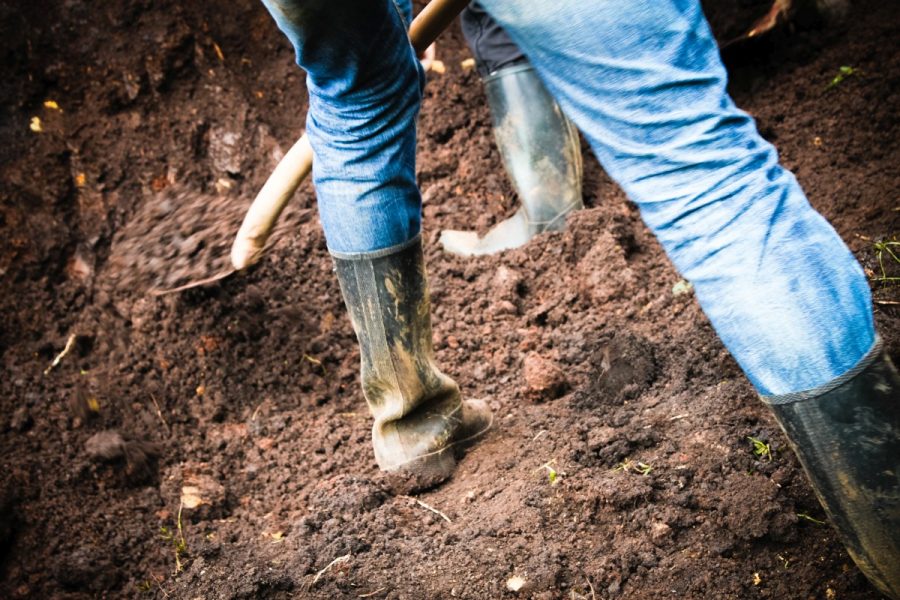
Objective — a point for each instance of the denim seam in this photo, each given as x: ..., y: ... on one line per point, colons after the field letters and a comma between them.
x: 376, y: 253
x: 816, y: 392
x: 402, y: 16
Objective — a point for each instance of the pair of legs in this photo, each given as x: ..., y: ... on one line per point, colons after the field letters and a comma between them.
x: 643, y: 82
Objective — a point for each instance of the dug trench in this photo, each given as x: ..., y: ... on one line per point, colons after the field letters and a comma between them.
x: 215, y: 443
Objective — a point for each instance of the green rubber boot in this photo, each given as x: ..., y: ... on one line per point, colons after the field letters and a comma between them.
x: 420, y: 416
x: 847, y: 437
x: 542, y: 156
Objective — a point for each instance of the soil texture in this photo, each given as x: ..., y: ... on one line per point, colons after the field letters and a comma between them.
x: 215, y: 443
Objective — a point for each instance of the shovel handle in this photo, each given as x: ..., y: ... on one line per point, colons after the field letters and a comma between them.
x: 296, y: 165
x: 432, y: 21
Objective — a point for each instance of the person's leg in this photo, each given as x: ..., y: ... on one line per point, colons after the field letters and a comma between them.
x: 644, y: 82
x: 365, y: 86
x: 538, y: 144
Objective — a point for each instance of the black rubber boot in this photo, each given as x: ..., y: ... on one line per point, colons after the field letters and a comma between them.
x: 542, y: 156
x: 419, y: 414
x: 847, y: 436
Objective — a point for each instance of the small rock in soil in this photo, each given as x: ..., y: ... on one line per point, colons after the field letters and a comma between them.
x: 544, y: 380
x: 516, y: 583
x: 201, y: 495
x: 225, y: 150
x: 659, y: 532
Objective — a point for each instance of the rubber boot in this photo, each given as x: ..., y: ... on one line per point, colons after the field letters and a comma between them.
x: 419, y: 414
x: 542, y: 155
x: 847, y: 437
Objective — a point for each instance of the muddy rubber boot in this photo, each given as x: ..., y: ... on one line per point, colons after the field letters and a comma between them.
x: 420, y: 417
x: 542, y: 156
x: 847, y: 437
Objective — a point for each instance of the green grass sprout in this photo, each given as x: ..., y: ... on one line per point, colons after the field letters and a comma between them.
x: 843, y: 73
x: 553, y: 475
x: 177, y: 540
x: 638, y: 467
x: 761, y: 449
x: 890, y: 249
x: 806, y: 517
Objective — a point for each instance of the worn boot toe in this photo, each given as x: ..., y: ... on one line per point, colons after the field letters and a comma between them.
x: 429, y: 470
x: 475, y: 420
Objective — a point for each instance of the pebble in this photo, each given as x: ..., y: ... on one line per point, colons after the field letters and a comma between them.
x: 544, y: 380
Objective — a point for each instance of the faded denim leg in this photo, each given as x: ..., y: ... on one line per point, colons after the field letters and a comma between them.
x: 365, y: 88
x: 644, y: 82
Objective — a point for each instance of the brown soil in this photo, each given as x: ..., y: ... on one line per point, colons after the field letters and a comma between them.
x: 245, y: 393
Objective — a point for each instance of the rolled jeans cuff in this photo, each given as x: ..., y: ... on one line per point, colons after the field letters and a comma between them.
x: 376, y: 253
x: 811, y: 394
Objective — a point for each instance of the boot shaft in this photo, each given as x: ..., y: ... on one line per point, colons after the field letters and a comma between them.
x: 418, y: 411
x: 386, y: 295
x: 539, y: 146
x: 847, y: 437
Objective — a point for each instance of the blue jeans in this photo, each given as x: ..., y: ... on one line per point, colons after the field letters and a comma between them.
x: 643, y: 81
x: 365, y: 86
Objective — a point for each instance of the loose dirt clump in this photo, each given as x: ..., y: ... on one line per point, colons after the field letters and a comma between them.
x: 215, y: 443
x: 176, y: 238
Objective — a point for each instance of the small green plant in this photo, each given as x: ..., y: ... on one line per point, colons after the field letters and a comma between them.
x: 890, y: 249
x: 806, y: 517
x: 316, y: 362
x: 638, y: 467
x: 843, y: 73
x: 552, y: 474
x: 178, y: 544
x: 177, y: 540
x: 145, y: 587
x: 643, y: 468
x: 761, y: 449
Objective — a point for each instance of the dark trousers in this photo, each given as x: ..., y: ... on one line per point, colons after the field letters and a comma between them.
x: 492, y: 47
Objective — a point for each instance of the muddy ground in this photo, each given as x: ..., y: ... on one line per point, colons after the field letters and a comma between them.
x: 620, y: 465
